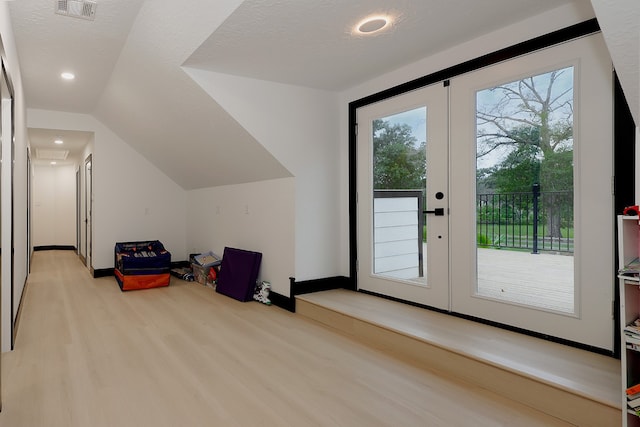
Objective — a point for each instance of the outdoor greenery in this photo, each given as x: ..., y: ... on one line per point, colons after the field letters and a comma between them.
x: 399, y: 160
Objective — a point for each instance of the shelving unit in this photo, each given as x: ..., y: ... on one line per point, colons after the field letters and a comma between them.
x: 628, y: 251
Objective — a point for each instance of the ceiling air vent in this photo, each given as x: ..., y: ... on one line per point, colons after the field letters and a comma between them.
x: 83, y: 9
x: 44, y: 154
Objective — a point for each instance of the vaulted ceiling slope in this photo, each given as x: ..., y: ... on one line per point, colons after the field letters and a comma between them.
x: 129, y: 63
x: 159, y: 110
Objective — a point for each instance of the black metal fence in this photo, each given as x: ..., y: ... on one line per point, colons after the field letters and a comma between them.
x: 536, y: 220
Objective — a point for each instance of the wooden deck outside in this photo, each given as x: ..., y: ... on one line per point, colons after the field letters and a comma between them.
x: 541, y: 280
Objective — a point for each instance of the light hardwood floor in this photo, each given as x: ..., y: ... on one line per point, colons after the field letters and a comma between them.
x: 89, y: 355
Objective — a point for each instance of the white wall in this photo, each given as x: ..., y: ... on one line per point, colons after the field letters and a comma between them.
x: 256, y: 216
x: 54, y: 205
x: 133, y: 200
x: 539, y: 25
x: 299, y: 126
x: 19, y: 191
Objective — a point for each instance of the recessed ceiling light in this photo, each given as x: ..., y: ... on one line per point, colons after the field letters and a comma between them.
x: 68, y: 76
x: 373, y: 24
x: 54, y: 163
x: 58, y: 141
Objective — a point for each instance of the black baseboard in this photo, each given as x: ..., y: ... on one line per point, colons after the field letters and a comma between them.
x: 54, y: 248
x: 102, y: 272
x: 317, y: 285
x: 180, y: 264
x: 307, y: 287
x: 281, y: 301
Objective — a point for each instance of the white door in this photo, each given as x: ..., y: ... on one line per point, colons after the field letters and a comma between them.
x: 519, y: 157
x: 542, y: 120
x: 402, y: 152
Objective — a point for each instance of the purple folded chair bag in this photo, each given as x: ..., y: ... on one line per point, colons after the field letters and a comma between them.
x: 238, y: 273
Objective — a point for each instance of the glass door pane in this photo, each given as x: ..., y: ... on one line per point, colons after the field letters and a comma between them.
x: 524, y: 191
x: 399, y: 177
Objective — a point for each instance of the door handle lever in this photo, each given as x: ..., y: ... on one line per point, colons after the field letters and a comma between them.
x: 436, y: 212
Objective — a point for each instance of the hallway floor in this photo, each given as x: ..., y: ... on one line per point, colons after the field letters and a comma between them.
x: 89, y: 355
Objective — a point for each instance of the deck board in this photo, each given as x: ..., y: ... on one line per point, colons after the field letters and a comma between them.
x: 540, y: 280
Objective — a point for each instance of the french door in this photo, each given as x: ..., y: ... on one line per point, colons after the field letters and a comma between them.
x: 512, y: 164
x: 402, y: 172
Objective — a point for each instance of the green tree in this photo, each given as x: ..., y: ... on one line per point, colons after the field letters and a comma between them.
x: 519, y: 170
x: 530, y: 122
x: 485, y: 180
x: 399, y: 161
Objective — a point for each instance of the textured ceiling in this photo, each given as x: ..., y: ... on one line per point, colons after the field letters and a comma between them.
x: 311, y: 43
x: 49, y: 44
